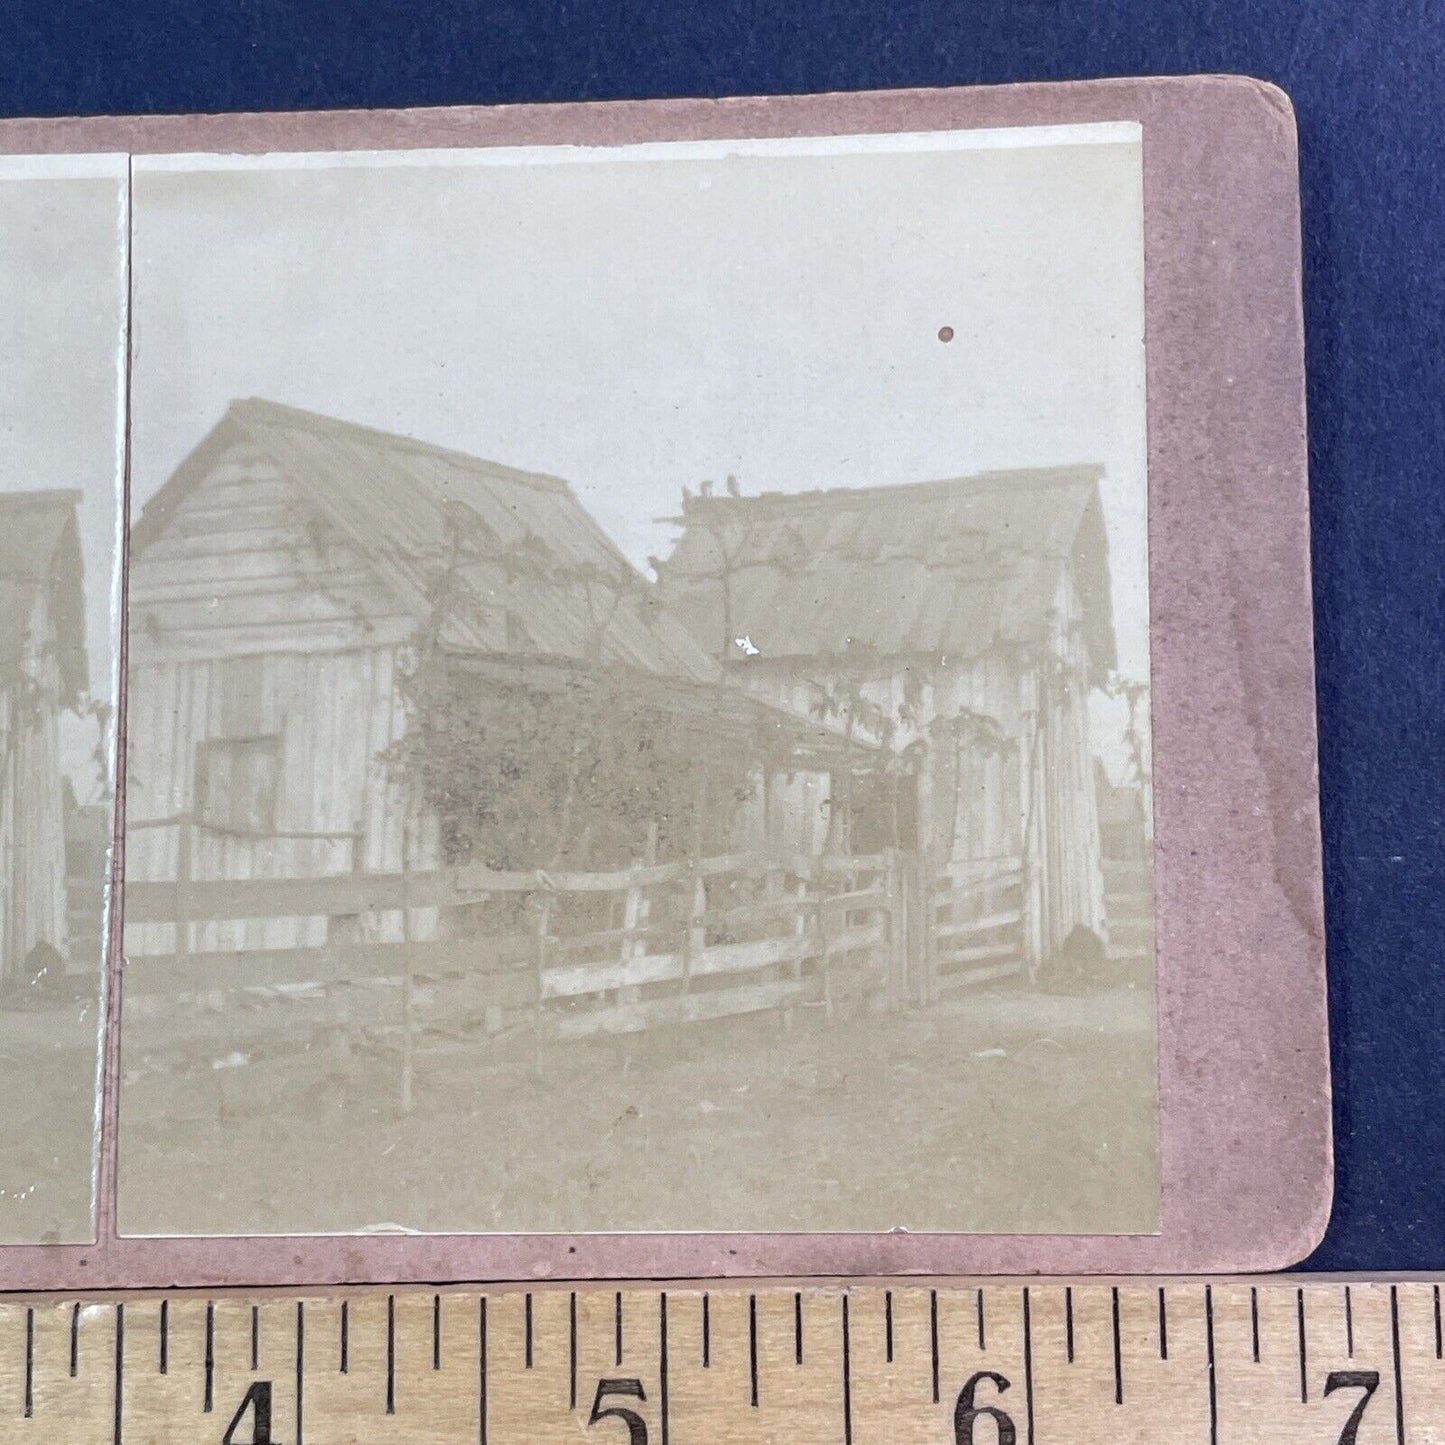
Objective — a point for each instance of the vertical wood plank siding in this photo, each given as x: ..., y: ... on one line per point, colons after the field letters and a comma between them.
x: 250, y: 618
x: 32, y: 823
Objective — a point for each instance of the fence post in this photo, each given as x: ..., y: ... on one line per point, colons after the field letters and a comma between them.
x: 801, y: 924
x: 928, y: 882
x: 897, y: 912
x: 544, y: 909
x: 407, y: 1020
x: 634, y: 914
x: 777, y: 922
x: 344, y: 992
x: 183, y: 876
x: 823, y: 941
x: 773, y: 886
x: 696, y: 933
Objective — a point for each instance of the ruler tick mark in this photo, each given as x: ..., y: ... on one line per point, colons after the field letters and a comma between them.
x: 1069, y: 1321
x: 848, y: 1380
x: 391, y: 1354
x: 1399, y: 1380
x: 482, y: 1370
x: 436, y: 1332
x: 753, y: 1349
x: 933, y: 1336
x: 797, y: 1327
x: 29, y: 1363
x: 706, y: 1333
x: 1209, y: 1358
x: 981, y: 1341
x: 888, y: 1326
x: 119, y: 1372
x: 1304, y: 1378
x: 572, y: 1351
x: 617, y: 1350
x: 255, y: 1338
x: 1304, y: 1350
x: 1028, y: 1367
x: 345, y: 1337
x: 300, y: 1371
x: 1163, y: 1326
x: 74, y: 1340
x: 1254, y: 1321
x: 165, y: 1333
x: 210, y: 1399
x: 662, y: 1360
x: 1437, y: 1323
x: 1118, y: 1353
x: 529, y: 1331
x: 1349, y: 1325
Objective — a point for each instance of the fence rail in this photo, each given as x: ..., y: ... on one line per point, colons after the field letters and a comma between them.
x: 570, y: 953
x: 975, y: 924
x: 567, y: 954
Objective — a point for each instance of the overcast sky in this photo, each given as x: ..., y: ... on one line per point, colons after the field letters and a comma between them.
x: 639, y: 323
x: 633, y: 321
x: 62, y: 307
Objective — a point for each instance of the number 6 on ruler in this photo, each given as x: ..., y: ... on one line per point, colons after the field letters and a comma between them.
x: 965, y: 1412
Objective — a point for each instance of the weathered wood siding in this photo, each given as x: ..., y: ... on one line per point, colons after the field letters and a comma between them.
x: 970, y: 804
x: 249, y: 618
x: 244, y: 566
x: 32, y: 822
x: 1064, y: 882
x: 1035, y: 799
x: 785, y: 814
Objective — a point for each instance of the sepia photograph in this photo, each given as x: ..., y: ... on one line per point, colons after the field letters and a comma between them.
x: 62, y: 374
x: 637, y: 693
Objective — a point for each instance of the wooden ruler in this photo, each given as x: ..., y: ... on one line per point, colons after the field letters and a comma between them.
x: 1277, y: 1360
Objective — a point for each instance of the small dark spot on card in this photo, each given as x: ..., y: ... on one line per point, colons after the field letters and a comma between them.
x: 945, y: 333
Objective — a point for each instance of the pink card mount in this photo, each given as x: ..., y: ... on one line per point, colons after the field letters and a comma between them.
x: 650, y: 1076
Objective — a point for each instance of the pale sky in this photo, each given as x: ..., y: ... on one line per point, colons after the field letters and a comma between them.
x: 62, y: 348
x: 640, y: 322
x: 632, y: 320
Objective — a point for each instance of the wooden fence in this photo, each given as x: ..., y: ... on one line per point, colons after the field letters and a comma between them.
x: 975, y: 925
x: 466, y: 950
x: 570, y: 954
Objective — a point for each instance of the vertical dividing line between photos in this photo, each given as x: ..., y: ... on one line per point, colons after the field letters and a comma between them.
x: 106, y: 1211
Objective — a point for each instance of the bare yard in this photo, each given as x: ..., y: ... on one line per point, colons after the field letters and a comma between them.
x: 1001, y: 1110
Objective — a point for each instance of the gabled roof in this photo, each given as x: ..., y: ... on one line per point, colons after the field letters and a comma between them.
x: 952, y: 567
x: 519, y: 566
x: 40, y: 557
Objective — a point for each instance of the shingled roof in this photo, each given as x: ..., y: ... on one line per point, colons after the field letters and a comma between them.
x: 533, y: 576
x: 40, y: 556
x: 955, y: 567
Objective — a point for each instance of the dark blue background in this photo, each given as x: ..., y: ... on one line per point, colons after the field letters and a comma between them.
x: 1368, y: 81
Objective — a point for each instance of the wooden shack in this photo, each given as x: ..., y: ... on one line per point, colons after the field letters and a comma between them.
x: 42, y: 673
x: 284, y: 583
x: 960, y: 626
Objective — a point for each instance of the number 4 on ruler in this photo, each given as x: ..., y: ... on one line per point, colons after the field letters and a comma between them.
x: 256, y: 1404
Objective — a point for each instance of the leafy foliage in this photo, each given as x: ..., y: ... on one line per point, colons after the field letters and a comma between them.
x: 577, y: 774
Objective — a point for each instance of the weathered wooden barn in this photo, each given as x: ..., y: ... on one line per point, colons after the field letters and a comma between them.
x: 42, y: 672
x: 959, y: 625
x: 283, y: 583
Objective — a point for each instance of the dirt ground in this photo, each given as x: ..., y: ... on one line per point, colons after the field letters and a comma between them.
x: 1001, y: 1110
x: 47, y: 1123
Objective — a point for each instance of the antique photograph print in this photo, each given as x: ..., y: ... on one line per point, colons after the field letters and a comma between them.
x: 62, y: 371
x: 637, y: 690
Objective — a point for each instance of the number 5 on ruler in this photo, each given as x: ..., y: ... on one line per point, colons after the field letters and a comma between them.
x: 636, y: 1425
